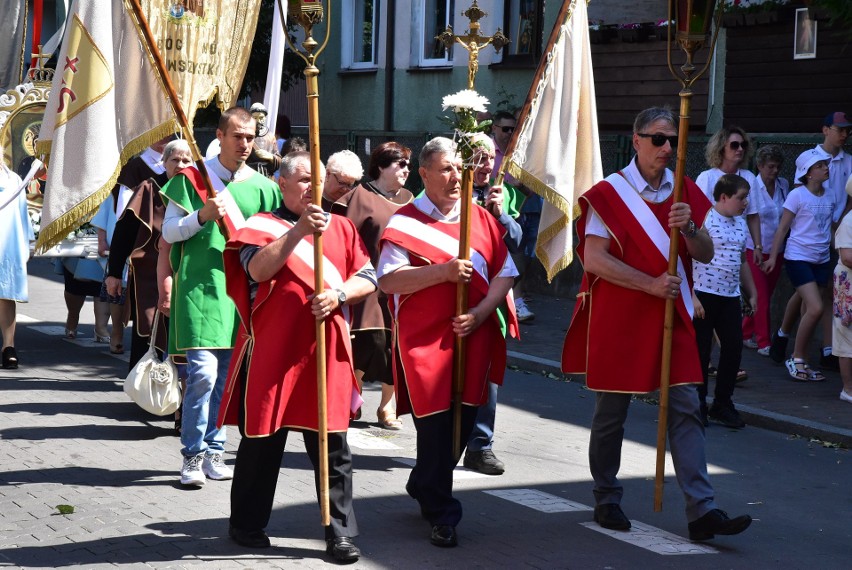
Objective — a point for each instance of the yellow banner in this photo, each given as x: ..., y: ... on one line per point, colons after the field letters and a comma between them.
x: 205, y: 45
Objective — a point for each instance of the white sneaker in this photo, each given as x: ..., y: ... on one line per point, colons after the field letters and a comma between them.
x: 764, y: 351
x: 845, y: 397
x: 522, y: 312
x: 191, y: 473
x: 214, y: 468
x: 750, y: 343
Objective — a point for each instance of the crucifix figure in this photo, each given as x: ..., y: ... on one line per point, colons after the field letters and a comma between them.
x: 473, y: 41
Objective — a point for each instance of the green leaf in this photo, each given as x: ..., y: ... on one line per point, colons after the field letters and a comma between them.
x: 65, y: 509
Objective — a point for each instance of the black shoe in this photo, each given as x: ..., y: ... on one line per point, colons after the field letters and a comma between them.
x: 444, y: 535
x: 610, y: 515
x: 778, y: 348
x: 249, y: 538
x: 342, y: 549
x: 726, y: 415
x: 717, y: 522
x: 10, y: 358
x: 484, y: 462
x: 829, y: 362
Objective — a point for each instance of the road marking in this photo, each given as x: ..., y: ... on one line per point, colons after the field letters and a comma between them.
x: 25, y: 319
x: 362, y: 439
x: 459, y: 474
x: 653, y: 539
x: 52, y: 330
x: 539, y: 500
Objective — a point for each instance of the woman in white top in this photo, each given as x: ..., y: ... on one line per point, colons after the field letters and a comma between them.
x: 727, y: 152
x: 768, y: 197
x: 807, y: 215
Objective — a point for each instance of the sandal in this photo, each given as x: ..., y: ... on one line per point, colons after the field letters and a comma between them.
x: 70, y: 334
x: 742, y: 376
x: 801, y: 372
x: 10, y: 358
x: 388, y: 420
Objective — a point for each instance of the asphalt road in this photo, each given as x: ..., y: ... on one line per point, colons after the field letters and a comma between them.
x: 69, y: 436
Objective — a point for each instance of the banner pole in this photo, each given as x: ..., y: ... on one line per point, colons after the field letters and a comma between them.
x: 169, y: 88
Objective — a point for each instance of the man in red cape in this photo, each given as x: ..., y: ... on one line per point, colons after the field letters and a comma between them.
x: 615, y: 337
x: 419, y: 269
x: 271, y: 387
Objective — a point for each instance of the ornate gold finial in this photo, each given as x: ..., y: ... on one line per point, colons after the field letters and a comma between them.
x: 472, y: 41
x: 40, y: 74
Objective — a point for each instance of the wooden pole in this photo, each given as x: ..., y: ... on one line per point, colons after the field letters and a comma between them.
x: 311, y: 73
x: 668, y: 324
x: 168, y: 86
x: 460, y: 353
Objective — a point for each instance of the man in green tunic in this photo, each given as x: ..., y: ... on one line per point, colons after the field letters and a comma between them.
x: 203, y: 318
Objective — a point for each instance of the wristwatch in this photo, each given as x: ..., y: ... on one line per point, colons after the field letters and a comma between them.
x: 690, y: 231
x: 341, y: 297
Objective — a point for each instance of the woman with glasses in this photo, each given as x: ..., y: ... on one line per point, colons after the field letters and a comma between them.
x: 370, y: 206
x: 768, y: 198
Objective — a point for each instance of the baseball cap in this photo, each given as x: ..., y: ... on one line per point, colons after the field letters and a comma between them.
x: 838, y: 119
x: 807, y: 159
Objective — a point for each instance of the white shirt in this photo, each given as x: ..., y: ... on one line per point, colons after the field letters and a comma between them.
x: 839, y: 170
x: 722, y: 275
x: 178, y: 225
x: 810, y: 232
x: 394, y: 257
x: 594, y: 225
x: 769, y: 210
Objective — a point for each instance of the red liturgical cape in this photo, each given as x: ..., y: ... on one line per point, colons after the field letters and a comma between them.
x: 276, y: 340
x: 423, y: 337
x: 616, y: 333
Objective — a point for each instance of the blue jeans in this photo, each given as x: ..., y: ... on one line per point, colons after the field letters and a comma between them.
x: 207, y: 371
x: 482, y: 436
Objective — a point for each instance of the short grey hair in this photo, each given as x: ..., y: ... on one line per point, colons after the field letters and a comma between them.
x: 770, y: 153
x: 346, y: 163
x: 173, y: 146
x: 292, y: 160
x: 649, y: 116
x: 439, y: 145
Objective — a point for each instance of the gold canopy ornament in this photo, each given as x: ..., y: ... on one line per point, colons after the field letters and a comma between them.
x: 205, y: 46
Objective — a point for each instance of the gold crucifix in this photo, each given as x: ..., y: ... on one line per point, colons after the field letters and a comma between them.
x: 473, y: 41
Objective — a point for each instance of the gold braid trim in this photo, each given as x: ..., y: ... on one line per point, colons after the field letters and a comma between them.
x: 59, y: 228
x: 569, y: 213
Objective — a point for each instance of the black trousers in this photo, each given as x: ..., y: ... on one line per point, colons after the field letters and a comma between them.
x: 431, y: 479
x: 256, y: 475
x: 723, y: 315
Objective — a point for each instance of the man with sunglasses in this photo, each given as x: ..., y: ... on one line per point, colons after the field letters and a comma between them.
x: 502, y: 129
x: 615, y: 336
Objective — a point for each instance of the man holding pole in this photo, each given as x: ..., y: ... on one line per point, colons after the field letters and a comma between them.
x: 272, y: 384
x: 203, y: 319
x: 419, y: 269
x: 624, y: 243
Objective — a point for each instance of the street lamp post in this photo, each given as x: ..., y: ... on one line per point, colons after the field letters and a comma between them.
x: 691, y: 20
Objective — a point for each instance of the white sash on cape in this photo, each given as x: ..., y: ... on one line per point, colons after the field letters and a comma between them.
x: 658, y: 235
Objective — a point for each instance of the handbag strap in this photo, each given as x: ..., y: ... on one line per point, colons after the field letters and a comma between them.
x: 153, y: 342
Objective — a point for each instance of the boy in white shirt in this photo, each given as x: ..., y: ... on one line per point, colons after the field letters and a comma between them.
x: 716, y: 296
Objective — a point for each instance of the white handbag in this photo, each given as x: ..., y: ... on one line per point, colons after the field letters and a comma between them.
x: 153, y: 384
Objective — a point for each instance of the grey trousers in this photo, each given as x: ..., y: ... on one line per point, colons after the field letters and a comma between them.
x: 686, y: 442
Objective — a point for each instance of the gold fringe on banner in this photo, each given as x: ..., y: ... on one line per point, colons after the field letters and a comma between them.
x: 59, y: 228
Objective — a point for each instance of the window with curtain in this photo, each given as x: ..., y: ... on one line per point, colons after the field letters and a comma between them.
x: 523, y: 23
x: 435, y: 15
x: 360, y: 34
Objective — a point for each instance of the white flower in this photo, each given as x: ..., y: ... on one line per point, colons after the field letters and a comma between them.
x: 466, y: 99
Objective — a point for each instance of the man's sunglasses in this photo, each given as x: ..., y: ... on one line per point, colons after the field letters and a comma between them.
x: 507, y: 129
x: 659, y: 140
x: 735, y: 145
